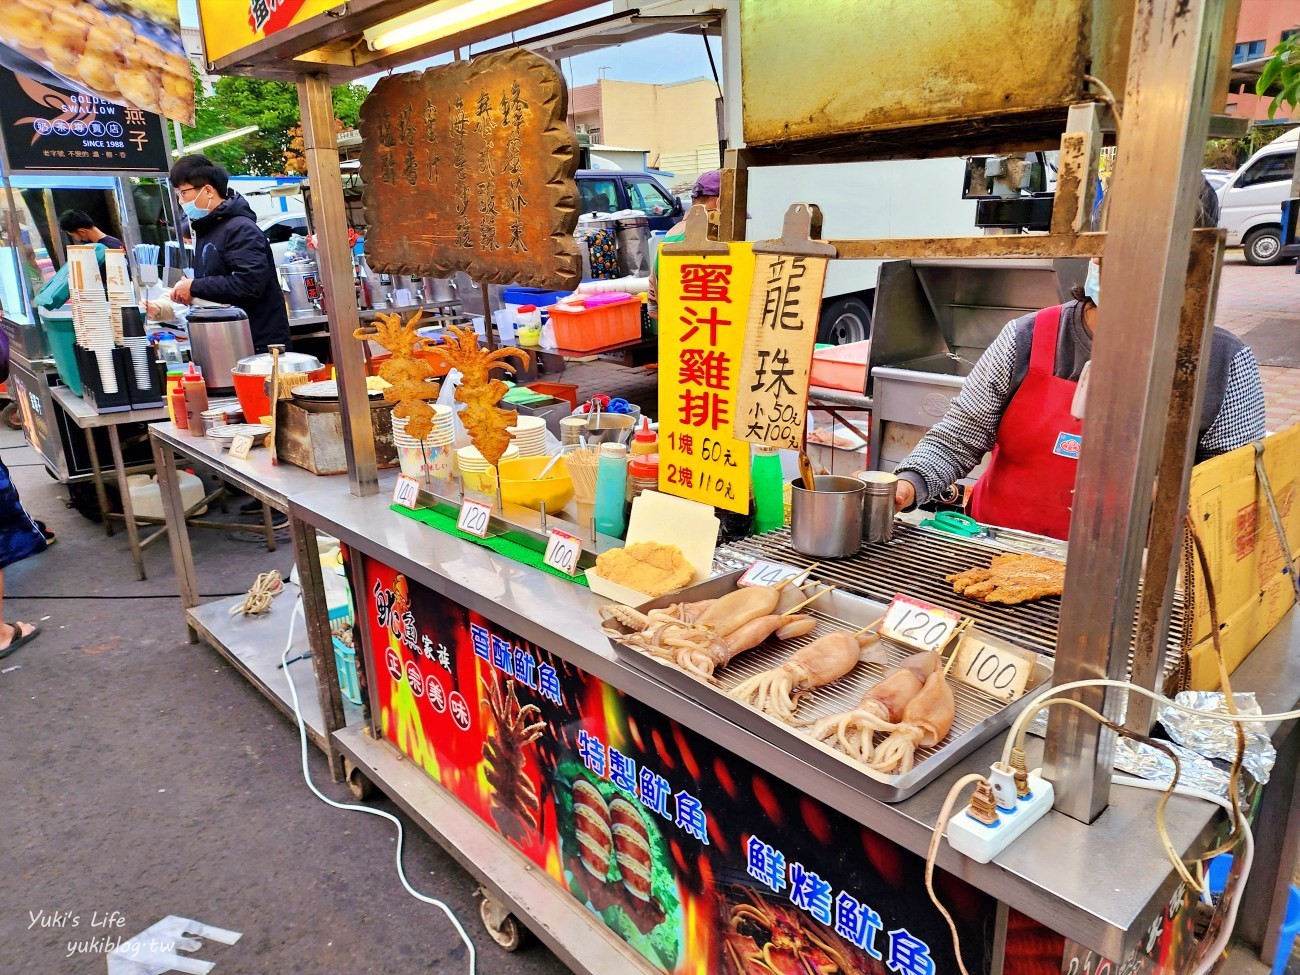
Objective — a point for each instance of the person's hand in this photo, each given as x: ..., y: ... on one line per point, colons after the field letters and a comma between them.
x: 904, y: 494
x: 181, y: 292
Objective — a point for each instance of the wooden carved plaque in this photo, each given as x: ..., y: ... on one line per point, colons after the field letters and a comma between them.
x: 469, y: 167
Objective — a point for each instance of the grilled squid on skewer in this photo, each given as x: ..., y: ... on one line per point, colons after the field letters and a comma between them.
x: 702, y: 661
x: 880, y: 708
x: 826, y: 659
x: 927, y: 719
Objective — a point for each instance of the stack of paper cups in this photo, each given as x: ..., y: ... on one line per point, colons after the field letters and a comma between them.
x: 121, y: 289
x: 91, y: 316
x: 476, y: 473
x: 430, y: 458
x: 529, y: 435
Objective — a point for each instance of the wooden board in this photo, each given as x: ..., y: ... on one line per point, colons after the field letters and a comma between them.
x: 469, y: 167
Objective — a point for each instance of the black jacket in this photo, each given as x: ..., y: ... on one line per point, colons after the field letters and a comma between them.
x: 233, y: 265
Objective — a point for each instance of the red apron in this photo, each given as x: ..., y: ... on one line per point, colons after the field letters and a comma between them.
x: 1029, y: 484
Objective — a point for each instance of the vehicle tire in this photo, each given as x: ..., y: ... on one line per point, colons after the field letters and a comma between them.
x: 844, y: 321
x: 1263, y: 246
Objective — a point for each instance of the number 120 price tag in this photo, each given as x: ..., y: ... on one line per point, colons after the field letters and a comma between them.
x: 562, y: 551
x: 919, y: 624
x: 474, y: 517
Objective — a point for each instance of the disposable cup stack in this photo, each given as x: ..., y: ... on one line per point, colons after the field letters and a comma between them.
x: 430, y: 458
x: 121, y: 290
x: 92, y: 318
x: 476, y: 473
x: 529, y: 435
x: 138, y: 344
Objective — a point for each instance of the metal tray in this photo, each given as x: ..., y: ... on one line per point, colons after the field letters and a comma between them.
x: 978, y: 716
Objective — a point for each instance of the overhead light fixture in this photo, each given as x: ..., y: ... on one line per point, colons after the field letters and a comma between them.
x: 438, y: 20
x: 215, y: 140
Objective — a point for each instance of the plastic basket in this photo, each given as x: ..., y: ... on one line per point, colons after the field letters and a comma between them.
x: 565, y: 391
x: 589, y: 329
x: 345, y: 661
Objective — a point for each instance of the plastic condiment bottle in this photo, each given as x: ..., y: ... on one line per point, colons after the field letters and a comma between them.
x: 646, y: 440
x: 176, y: 402
x: 611, y: 489
x: 196, y: 399
x: 642, y: 474
x: 769, y: 485
x: 168, y: 349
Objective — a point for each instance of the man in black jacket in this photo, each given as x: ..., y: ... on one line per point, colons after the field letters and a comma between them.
x: 232, y: 259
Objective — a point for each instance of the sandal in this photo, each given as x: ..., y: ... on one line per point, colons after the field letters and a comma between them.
x: 19, y: 638
x: 50, y: 538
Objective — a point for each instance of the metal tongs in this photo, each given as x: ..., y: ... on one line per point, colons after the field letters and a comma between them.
x: 964, y: 526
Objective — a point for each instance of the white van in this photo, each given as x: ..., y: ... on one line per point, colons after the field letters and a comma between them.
x: 1250, y: 203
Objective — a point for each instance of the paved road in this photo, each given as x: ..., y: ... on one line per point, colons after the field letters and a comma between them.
x: 1261, y: 305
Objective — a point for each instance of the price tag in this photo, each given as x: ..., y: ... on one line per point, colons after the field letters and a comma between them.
x: 562, y: 551
x: 1000, y: 672
x: 240, y: 446
x: 473, y: 518
x: 767, y: 574
x: 406, y: 491
x: 919, y: 624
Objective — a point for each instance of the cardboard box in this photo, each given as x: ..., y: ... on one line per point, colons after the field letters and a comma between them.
x: 1247, y: 567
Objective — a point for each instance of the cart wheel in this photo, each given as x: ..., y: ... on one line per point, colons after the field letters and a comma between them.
x: 503, y: 927
x: 10, y: 416
x: 360, y: 786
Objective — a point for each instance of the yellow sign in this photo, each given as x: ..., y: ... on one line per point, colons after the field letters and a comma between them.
x: 780, y: 333
x: 702, y: 310
x: 231, y: 25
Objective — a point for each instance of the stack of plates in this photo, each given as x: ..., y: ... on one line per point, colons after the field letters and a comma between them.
x: 476, y: 473
x: 91, y: 316
x: 224, y: 434
x: 430, y: 457
x: 121, y: 290
x: 529, y: 435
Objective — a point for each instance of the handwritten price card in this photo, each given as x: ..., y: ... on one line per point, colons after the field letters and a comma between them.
x: 1000, y: 672
x: 767, y: 574
x: 406, y: 491
x: 702, y: 307
x: 474, y: 518
x: 918, y: 624
x: 562, y: 551
x: 780, y: 332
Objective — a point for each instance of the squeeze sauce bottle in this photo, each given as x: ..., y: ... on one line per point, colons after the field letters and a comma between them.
x: 611, y: 489
x: 646, y: 440
x: 769, y: 486
x: 196, y: 399
x: 176, y: 402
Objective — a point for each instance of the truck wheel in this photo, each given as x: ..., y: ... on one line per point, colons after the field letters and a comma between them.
x: 844, y: 321
x: 1263, y: 246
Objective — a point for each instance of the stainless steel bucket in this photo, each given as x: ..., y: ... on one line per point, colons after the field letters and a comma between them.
x: 826, y: 522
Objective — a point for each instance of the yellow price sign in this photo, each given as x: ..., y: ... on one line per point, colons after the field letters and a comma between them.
x: 703, y: 306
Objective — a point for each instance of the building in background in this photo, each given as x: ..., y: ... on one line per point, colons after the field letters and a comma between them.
x: 1261, y: 26
x: 193, y: 41
x: 677, y: 124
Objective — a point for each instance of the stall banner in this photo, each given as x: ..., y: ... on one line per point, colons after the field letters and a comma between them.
x: 469, y: 167
x: 702, y: 863
x: 702, y: 313
x: 232, y: 25
x: 45, y: 128
x: 780, y: 332
x: 128, y: 52
x: 1168, y: 946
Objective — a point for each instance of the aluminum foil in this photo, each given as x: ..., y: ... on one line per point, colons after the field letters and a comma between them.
x: 1195, y: 771
x: 1216, y: 738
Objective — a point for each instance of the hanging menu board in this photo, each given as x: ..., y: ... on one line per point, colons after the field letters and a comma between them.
x: 46, y: 128
x: 469, y: 167
x: 702, y: 306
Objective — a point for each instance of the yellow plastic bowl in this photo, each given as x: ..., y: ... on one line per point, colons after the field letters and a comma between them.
x: 519, y: 487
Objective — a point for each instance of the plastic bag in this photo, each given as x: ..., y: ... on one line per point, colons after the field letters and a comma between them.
x: 446, y: 397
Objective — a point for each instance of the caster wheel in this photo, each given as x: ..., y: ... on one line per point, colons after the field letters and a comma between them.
x: 504, y: 928
x: 360, y: 786
x: 10, y: 417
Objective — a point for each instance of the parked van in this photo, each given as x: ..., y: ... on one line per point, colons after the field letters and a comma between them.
x: 611, y: 190
x: 1250, y: 203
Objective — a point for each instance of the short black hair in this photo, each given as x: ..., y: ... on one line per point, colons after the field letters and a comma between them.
x: 73, y: 220
x: 199, y: 171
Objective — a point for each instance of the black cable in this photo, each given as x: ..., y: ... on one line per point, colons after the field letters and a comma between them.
x: 708, y: 49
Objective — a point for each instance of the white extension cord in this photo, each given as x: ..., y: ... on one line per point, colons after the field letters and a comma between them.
x: 382, y: 814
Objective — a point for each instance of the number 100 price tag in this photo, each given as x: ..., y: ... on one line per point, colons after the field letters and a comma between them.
x: 474, y: 518
x: 562, y: 551
x: 919, y: 624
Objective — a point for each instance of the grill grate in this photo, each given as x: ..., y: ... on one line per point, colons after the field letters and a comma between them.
x: 915, y: 562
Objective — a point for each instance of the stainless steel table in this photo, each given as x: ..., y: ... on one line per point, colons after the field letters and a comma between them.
x: 253, y: 644
x: 1098, y: 884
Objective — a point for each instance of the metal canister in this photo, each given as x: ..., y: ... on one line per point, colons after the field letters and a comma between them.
x: 826, y: 522
x: 212, y: 418
x: 878, y: 505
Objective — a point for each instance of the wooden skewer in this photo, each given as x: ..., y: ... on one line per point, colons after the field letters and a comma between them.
x: 814, y: 596
x: 870, y: 628
x: 801, y: 577
x: 960, y: 632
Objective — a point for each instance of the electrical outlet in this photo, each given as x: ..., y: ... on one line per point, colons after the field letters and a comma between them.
x: 972, y: 838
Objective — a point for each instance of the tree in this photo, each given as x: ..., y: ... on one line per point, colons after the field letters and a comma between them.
x: 273, y: 107
x: 1281, y: 76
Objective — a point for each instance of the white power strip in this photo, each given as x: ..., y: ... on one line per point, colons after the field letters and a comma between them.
x: 982, y: 842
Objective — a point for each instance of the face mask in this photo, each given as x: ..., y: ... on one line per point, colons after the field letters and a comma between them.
x: 1092, y: 284
x: 192, y: 210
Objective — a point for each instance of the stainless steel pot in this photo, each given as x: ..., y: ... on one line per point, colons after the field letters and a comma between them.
x: 220, y: 338
x: 826, y: 522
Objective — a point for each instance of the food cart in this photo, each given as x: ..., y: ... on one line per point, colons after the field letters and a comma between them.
x: 630, y: 819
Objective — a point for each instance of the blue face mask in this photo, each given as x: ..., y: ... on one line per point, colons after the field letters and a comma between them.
x: 1092, y: 284
x: 193, y: 210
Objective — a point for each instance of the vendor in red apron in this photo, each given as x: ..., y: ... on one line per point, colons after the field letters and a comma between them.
x: 1024, y: 401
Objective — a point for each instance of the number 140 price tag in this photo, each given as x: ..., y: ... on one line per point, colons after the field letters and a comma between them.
x: 919, y: 624
x: 767, y: 574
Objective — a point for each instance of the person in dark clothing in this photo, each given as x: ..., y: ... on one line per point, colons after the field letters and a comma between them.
x: 20, y: 536
x: 232, y: 258
x: 78, y: 225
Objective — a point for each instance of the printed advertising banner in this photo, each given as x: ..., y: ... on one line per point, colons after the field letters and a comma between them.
x: 231, y: 25
x: 699, y: 861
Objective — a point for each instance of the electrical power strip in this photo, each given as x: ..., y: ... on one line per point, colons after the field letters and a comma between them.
x: 982, y: 842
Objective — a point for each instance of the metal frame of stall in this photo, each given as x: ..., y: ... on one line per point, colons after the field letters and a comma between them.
x: 1161, y: 280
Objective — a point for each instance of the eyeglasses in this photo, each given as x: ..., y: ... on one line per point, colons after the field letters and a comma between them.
x: 187, y: 192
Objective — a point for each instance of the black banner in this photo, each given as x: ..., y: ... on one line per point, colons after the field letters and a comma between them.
x: 46, y: 127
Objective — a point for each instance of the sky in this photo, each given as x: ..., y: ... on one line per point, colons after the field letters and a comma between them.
x: 657, y: 60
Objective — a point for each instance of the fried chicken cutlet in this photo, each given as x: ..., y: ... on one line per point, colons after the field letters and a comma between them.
x: 1011, y: 578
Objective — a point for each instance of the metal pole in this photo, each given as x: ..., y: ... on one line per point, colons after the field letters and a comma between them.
x: 315, y: 98
x: 1165, y: 120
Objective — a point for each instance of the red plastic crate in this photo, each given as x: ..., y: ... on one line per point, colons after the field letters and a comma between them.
x: 585, y: 330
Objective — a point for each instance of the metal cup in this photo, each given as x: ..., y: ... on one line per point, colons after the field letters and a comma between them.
x: 878, y: 505
x: 826, y: 522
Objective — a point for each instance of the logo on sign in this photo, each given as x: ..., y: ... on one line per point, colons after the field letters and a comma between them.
x: 394, y: 663
x: 414, y: 679
x: 1068, y: 445
x: 436, y: 693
